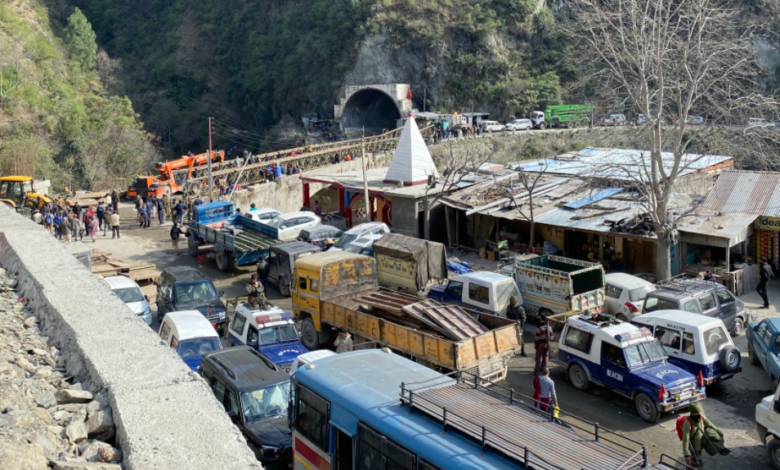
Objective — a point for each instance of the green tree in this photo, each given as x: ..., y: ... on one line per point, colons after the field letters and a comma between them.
x: 80, y: 39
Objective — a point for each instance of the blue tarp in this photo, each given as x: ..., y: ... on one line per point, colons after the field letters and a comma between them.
x: 590, y: 199
x: 458, y: 268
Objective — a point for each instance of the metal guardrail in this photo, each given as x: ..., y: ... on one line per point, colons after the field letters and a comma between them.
x: 489, y: 438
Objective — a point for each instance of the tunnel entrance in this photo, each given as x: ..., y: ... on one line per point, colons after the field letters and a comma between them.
x: 371, y: 108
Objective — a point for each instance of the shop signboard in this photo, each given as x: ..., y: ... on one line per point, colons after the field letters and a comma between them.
x: 768, y: 223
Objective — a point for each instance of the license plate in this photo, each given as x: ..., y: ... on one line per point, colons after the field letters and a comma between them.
x: 683, y: 395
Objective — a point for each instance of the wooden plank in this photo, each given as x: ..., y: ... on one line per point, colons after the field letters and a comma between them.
x: 143, y: 275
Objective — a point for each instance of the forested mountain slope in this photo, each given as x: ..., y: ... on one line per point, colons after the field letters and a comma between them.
x: 57, y: 118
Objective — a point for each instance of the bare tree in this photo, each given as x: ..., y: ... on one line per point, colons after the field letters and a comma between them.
x: 453, y: 170
x: 669, y: 60
x: 530, y: 181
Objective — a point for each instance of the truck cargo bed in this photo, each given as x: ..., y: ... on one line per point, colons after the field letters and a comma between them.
x: 485, y: 351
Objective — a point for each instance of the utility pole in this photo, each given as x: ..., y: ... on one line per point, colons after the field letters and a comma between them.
x: 209, y: 164
x: 365, y: 177
x: 424, y: 90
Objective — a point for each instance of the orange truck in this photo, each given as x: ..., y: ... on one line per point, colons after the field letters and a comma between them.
x: 173, y: 176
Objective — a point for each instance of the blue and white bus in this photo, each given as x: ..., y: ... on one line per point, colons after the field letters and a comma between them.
x: 374, y: 410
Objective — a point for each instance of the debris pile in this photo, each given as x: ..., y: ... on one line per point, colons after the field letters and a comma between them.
x: 640, y: 224
x: 45, y: 419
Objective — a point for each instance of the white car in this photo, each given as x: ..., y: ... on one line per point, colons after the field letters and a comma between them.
x: 615, y: 120
x: 363, y: 245
x: 129, y: 292
x: 291, y: 223
x: 263, y: 215
x: 368, y: 228
x: 625, y: 295
x: 493, y: 126
x: 520, y: 124
x: 695, y: 121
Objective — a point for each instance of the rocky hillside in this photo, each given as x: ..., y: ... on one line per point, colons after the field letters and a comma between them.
x: 59, y: 117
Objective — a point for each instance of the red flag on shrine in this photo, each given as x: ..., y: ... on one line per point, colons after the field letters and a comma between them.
x: 409, y: 94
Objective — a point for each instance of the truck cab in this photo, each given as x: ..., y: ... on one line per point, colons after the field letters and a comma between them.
x: 271, y: 332
x: 763, y: 340
x: 627, y: 360
x: 484, y: 292
x: 537, y: 119
x: 281, y: 262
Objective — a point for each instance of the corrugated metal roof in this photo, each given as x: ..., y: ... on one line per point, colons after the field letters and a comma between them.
x: 730, y: 228
x: 745, y: 192
x: 603, y: 194
x: 592, y: 219
x: 620, y: 164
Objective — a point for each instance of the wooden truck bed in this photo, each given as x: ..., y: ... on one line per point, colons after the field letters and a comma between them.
x: 487, y: 352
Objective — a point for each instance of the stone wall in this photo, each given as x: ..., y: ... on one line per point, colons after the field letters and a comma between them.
x: 286, y: 193
x: 166, y: 416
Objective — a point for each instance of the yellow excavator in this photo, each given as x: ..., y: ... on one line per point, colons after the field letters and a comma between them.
x: 18, y: 193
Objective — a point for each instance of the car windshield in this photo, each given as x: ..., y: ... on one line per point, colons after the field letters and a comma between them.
x: 195, y: 292
x: 643, y: 353
x: 198, y: 346
x: 276, y: 334
x: 265, y: 402
x: 640, y: 293
x: 504, y: 291
x: 714, y: 339
x: 345, y: 240
x: 277, y: 222
x: 129, y: 294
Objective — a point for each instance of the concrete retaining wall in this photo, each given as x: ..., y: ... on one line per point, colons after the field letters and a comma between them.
x: 286, y: 193
x: 166, y: 417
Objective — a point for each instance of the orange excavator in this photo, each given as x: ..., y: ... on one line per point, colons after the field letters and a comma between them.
x: 173, y: 175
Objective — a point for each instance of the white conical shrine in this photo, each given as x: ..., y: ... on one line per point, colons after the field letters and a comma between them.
x: 411, y: 163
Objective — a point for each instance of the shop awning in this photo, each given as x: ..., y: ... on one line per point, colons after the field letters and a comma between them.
x: 724, y: 230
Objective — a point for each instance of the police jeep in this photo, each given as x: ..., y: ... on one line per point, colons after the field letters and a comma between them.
x: 628, y: 360
x: 269, y: 330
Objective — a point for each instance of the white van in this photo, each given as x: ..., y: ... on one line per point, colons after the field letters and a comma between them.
x: 697, y: 343
x: 129, y: 292
x: 758, y: 122
x: 493, y: 126
x: 190, y: 334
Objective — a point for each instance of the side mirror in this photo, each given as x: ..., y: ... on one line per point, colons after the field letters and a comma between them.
x: 146, y: 297
x: 776, y: 407
x: 233, y: 416
x: 221, y: 293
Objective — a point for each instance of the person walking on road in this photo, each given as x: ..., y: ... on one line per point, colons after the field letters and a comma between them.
x: 699, y: 434
x: 66, y: 227
x: 517, y: 313
x: 317, y: 208
x: 107, y: 216
x: 115, y: 225
x: 179, y: 209
x: 548, y: 400
x: 544, y: 334
x: 343, y: 341
x: 149, y: 211
x: 100, y: 213
x: 92, y: 228
x: 175, y: 233
x: 764, y: 274
x: 160, y: 211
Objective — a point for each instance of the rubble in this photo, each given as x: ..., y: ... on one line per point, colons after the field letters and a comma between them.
x: 45, y: 420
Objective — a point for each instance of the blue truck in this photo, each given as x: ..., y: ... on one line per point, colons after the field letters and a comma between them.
x: 627, y: 360
x: 237, y: 240
x: 763, y: 339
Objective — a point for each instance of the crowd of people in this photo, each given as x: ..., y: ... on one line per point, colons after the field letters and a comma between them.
x: 72, y: 222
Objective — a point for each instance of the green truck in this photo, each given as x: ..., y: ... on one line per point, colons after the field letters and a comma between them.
x: 565, y: 115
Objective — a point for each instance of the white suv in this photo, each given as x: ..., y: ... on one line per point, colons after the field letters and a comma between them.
x: 359, y: 231
x: 291, y: 224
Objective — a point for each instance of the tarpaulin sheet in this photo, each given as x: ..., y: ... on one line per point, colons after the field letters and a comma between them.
x: 430, y: 257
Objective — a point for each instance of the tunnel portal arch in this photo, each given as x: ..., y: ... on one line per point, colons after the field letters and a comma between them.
x: 376, y: 107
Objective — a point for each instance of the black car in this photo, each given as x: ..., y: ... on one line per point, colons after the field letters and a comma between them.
x: 255, y: 394
x: 316, y: 235
x: 281, y: 262
x: 185, y: 288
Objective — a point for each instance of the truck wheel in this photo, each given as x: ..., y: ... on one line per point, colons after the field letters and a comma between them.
x: 773, y: 451
x: 542, y: 126
x: 753, y: 357
x: 729, y: 358
x: 578, y: 377
x: 739, y: 327
x: 192, y: 246
x: 309, y: 335
x: 224, y: 261
x: 647, y: 408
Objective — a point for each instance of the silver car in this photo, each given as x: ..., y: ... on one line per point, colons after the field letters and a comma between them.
x: 129, y: 292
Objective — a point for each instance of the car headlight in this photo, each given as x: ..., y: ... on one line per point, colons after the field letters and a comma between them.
x: 269, y: 451
x: 222, y: 315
